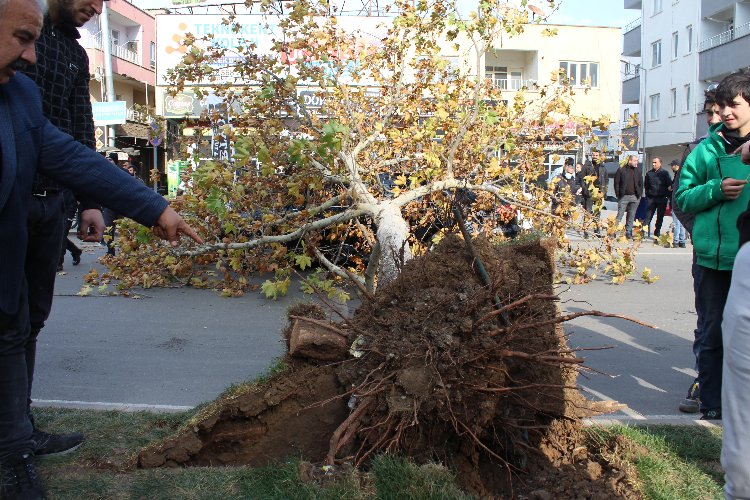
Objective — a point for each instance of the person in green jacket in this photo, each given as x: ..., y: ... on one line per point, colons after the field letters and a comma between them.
x: 712, y: 186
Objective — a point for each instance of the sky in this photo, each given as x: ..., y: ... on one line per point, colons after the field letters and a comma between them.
x: 591, y: 13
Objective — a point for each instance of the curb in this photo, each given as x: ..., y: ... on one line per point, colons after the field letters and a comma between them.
x: 93, y: 405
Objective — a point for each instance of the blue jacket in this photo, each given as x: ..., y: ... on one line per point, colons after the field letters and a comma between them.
x: 29, y: 143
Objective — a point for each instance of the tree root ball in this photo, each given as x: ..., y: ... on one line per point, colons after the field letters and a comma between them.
x: 443, y: 367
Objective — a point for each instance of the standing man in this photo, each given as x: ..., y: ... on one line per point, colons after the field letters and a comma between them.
x: 29, y: 142
x: 628, y: 190
x: 595, y: 168
x: 657, y: 185
x: 691, y: 402
x: 62, y: 74
x: 712, y: 186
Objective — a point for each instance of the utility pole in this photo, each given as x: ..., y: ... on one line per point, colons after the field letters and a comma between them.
x: 108, y: 80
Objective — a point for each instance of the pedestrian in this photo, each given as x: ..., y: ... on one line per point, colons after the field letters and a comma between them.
x: 30, y: 143
x: 712, y: 187
x: 678, y: 234
x: 691, y: 402
x: 566, y: 185
x: 628, y: 190
x: 62, y: 75
x: 735, y: 449
x: 656, y: 185
x: 587, y: 179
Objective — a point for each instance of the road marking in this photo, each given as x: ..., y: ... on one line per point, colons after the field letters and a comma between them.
x: 664, y: 253
x: 687, y: 371
x: 98, y: 405
x: 627, y: 411
x: 647, y: 385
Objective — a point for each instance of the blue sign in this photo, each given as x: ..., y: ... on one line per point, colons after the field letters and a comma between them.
x: 109, y: 113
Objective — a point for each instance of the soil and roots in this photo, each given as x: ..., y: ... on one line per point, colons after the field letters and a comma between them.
x: 441, y: 368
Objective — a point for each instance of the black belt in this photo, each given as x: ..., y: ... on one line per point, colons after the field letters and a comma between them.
x: 43, y: 193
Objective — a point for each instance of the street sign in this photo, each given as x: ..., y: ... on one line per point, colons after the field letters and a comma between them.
x: 155, y: 139
x: 110, y: 113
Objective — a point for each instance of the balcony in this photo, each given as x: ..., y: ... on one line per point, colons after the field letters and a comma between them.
x: 711, y: 7
x: 721, y: 54
x: 633, y: 4
x: 123, y: 52
x: 515, y: 84
x: 631, y: 39
x: 631, y: 89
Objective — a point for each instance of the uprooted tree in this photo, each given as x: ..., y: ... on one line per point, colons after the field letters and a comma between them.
x: 438, y: 363
x: 401, y: 137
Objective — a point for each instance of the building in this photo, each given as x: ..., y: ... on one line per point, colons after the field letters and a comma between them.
x: 670, y: 57
x: 133, y: 56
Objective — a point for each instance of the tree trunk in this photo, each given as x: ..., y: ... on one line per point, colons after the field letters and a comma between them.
x: 392, y: 235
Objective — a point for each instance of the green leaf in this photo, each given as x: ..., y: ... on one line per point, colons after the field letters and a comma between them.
x: 303, y: 261
x: 143, y: 236
x: 215, y: 202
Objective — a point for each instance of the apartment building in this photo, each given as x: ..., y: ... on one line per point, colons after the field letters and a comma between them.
x: 133, y: 57
x: 670, y: 57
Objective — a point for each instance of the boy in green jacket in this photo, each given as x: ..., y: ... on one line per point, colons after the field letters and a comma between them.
x: 712, y: 186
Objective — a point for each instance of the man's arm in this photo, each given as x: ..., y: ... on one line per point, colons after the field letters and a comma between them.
x: 696, y: 192
x: 617, y: 182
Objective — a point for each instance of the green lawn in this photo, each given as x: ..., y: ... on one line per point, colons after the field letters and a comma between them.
x: 672, y: 463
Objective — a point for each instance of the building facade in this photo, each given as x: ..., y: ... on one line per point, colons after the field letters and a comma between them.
x: 133, y: 56
x: 669, y: 59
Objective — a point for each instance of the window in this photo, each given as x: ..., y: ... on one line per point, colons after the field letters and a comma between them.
x: 657, y: 6
x: 689, y: 34
x: 653, y: 111
x: 115, y: 38
x: 672, y: 102
x: 625, y: 116
x: 675, y: 44
x: 688, y: 98
x: 656, y: 53
x: 581, y: 74
x: 505, y: 78
x: 152, y: 54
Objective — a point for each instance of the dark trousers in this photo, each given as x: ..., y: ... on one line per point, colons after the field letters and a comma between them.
x: 712, y: 292
x: 46, y: 226
x: 15, y: 426
x: 697, y: 272
x: 658, y: 205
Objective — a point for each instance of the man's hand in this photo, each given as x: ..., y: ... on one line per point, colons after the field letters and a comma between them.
x: 91, y: 227
x: 170, y: 227
x: 744, y: 150
x: 732, y: 187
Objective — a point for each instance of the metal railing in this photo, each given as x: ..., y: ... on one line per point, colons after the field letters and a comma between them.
x: 631, y: 25
x: 120, y: 51
x: 724, y: 37
x: 514, y: 84
x: 633, y: 72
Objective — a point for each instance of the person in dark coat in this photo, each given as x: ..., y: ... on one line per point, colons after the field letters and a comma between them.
x: 567, y: 184
x: 658, y: 184
x: 628, y: 190
x: 30, y: 143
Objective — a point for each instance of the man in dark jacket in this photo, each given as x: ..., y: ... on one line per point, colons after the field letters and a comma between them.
x: 593, y: 175
x: 657, y: 184
x: 628, y: 190
x: 567, y: 185
x: 29, y: 142
x: 62, y: 74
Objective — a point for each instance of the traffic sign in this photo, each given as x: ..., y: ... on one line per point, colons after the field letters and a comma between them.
x: 110, y: 113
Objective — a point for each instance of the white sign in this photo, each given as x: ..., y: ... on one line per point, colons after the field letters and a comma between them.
x: 110, y: 113
x: 260, y: 31
x: 176, y: 4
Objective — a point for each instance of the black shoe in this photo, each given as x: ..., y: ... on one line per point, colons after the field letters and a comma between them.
x: 18, y: 478
x: 711, y: 415
x: 692, y: 402
x: 59, y: 267
x: 48, y: 445
x: 682, y: 245
x: 77, y: 257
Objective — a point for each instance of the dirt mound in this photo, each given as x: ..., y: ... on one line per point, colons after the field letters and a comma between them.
x: 442, y: 367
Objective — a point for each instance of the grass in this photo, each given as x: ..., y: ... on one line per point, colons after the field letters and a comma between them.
x: 672, y: 463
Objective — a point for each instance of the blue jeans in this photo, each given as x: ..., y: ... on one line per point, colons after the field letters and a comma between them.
x: 627, y: 204
x: 679, y: 231
x: 15, y: 425
x: 713, y: 291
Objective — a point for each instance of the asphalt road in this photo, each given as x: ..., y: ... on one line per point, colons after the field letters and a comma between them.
x: 175, y: 348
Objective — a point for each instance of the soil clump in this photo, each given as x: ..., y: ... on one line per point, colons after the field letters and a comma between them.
x: 441, y: 368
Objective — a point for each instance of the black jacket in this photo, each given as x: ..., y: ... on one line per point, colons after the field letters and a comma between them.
x: 687, y: 219
x: 626, y: 175
x: 62, y: 75
x: 657, y: 183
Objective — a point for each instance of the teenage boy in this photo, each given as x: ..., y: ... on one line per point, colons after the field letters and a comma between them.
x: 712, y: 186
